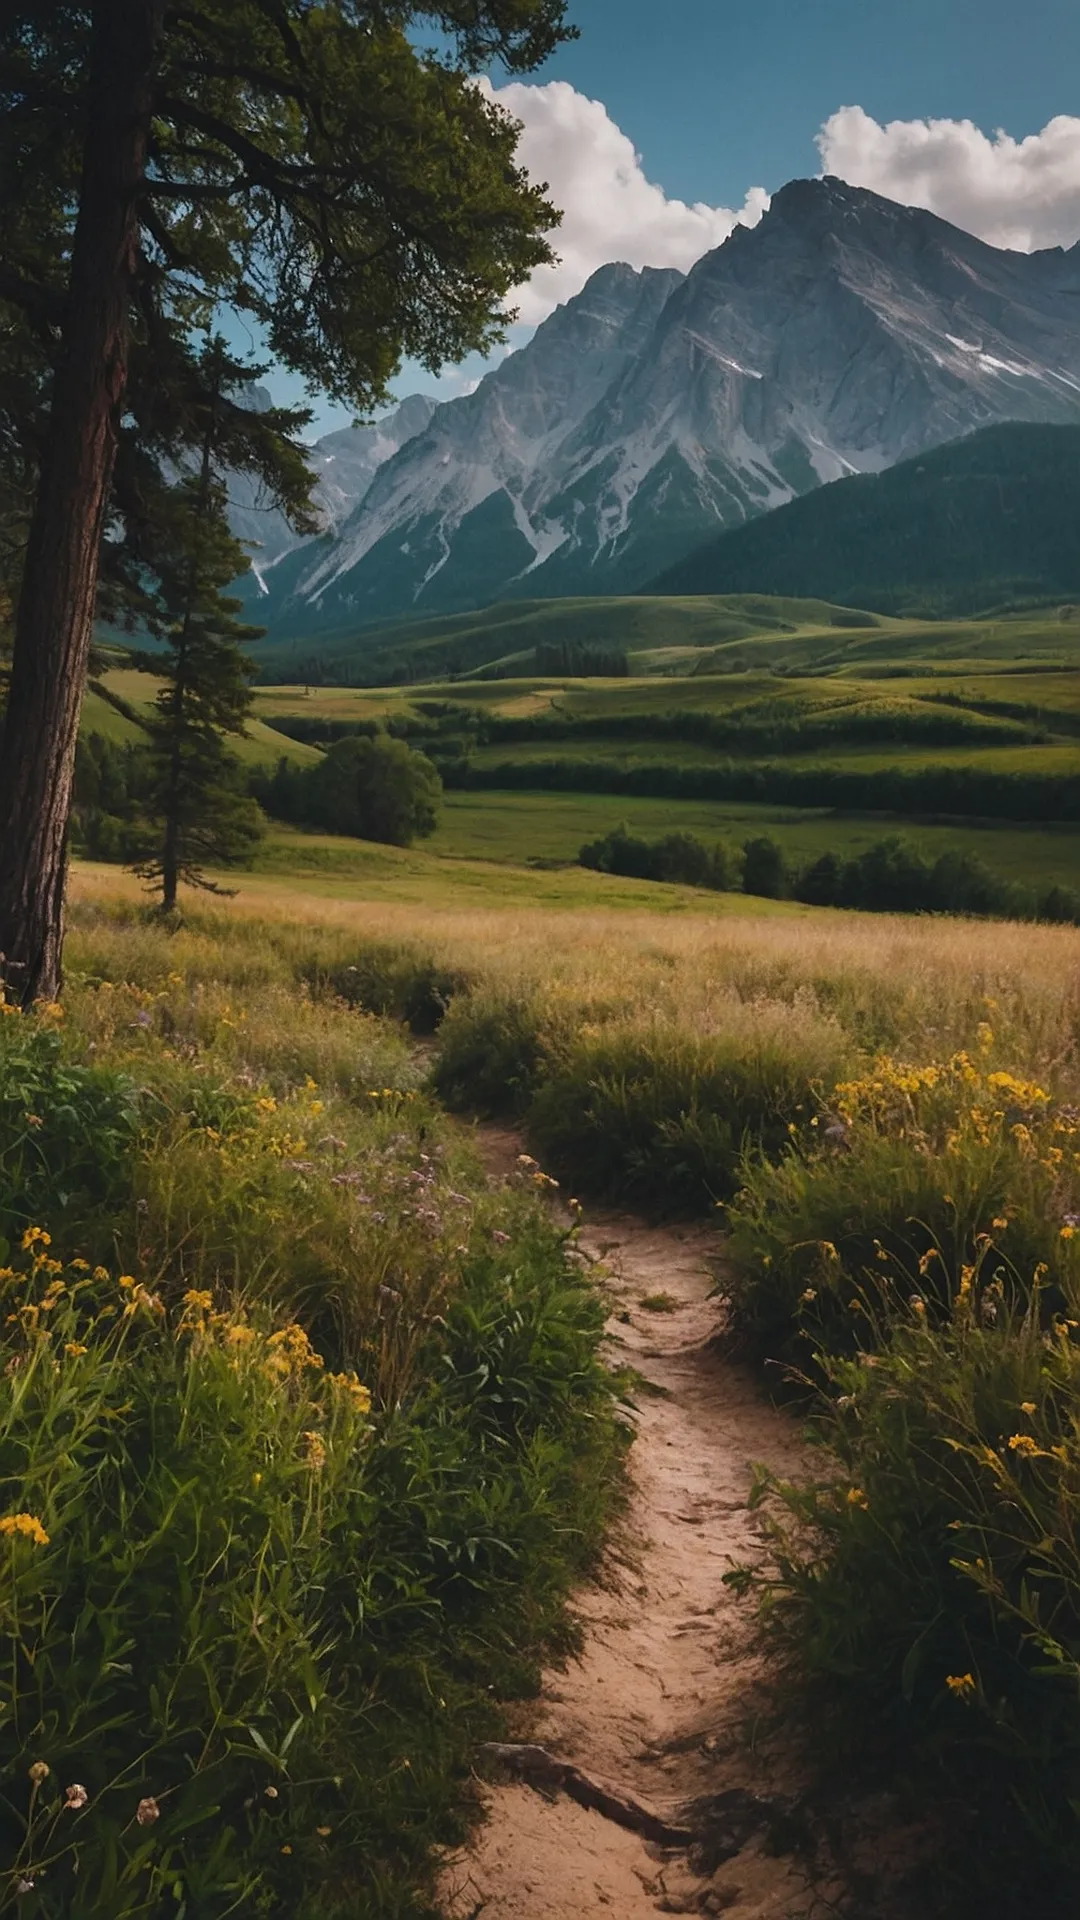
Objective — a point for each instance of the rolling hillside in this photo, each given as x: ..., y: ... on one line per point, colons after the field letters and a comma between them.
x: 986, y: 520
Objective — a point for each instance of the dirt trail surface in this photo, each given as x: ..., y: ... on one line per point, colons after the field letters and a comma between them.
x: 666, y: 1706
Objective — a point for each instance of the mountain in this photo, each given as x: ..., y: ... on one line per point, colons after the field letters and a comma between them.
x: 840, y: 335
x: 345, y: 463
x: 983, y: 521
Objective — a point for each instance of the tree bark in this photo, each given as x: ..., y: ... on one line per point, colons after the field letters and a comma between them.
x: 55, y: 616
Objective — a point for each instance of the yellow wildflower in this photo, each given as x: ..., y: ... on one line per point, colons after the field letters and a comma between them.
x: 35, y: 1236
x: 1027, y: 1406
x: 962, y: 1685
x: 26, y: 1524
x: 356, y: 1390
x: 1023, y: 1443
x: 1000, y: 1222
x: 74, y: 1349
x: 315, y: 1451
x: 856, y: 1497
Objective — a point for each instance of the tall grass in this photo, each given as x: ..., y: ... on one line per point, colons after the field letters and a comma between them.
x: 304, y: 1436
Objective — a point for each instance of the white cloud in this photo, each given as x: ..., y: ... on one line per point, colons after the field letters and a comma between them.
x: 1013, y: 193
x: 610, y: 210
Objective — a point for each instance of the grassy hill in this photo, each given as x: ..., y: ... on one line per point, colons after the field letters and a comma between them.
x: 985, y: 521
x: 654, y: 631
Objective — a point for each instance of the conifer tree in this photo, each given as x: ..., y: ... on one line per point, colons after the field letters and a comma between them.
x: 196, y: 798
x: 328, y: 170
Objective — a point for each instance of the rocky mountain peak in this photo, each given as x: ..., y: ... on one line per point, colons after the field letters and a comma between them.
x: 653, y: 409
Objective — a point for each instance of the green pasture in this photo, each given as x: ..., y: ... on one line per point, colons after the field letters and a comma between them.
x: 512, y: 827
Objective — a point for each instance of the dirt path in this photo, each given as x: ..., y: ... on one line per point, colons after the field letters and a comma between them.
x: 666, y: 1701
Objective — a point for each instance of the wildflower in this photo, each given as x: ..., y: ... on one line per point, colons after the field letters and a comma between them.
x: 26, y: 1524
x: 147, y: 1811
x: 807, y: 1295
x: 74, y: 1349
x: 324, y: 1832
x: 286, y: 1848
x: 357, y: 1392
x: 315, y: 1451
x: 36, y: 1236
x: 197, y: 1299
x: 961, y: 1685
x: 1068, y: 1232
x: 828, y: 1250
x: 1027, y: 1406
x: 857, y: 1498
x: 271, y: 1793
x: 75, y: 1797
x: 918, y: 1305
x: 1000, y: 1222
x: 33, y: 1119
x: 1024, y: 1444
x: 39, y: 1773
x: 126, y: 1280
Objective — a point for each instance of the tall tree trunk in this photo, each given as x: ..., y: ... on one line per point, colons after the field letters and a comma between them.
x: 55, y: 617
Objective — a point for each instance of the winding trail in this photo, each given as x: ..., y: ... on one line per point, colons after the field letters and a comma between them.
x: 667, y: 1701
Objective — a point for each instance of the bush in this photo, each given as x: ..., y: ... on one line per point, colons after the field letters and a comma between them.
x: 930, y: 1576
x: 402, y: 981
x: 186, y: 1471
x: 377, y: 788
x: 918, y: 1169
x: 66, y: 1129
x: 490, y: 1054
x: 662, y: 1116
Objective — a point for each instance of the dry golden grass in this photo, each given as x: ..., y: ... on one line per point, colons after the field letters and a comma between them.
x: 913, y: 984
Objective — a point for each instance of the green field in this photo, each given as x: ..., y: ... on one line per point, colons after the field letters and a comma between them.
x: 988, y: 698
x: 553, y: 826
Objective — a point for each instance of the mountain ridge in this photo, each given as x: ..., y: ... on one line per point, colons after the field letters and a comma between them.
x: 840, y: 335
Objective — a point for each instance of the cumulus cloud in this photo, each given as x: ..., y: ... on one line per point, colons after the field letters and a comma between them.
x: 611, y: 211
x: 1013, y: 193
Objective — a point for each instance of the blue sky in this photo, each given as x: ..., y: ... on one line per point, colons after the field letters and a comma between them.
x: 719, y: 100
x: 717, y: 96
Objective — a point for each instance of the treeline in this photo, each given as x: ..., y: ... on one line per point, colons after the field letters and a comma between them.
x: 371, y: 786
x: 891, y: 876
x: 765, y: 726
x: 580, y: 661
x: 966, y: 792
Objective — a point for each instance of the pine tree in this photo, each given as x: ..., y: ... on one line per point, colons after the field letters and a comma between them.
x: 196, y: 794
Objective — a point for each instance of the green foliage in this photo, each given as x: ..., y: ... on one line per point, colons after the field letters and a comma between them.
x: 764, y: 868
x: 491, y: 1053
x: 66, y: 1128
x: 376, y: 787
x: 341, y: 1385
x: 663, y: 1116
x: 399, y: 980
x: 676, y: 857
x: 929, y: 1578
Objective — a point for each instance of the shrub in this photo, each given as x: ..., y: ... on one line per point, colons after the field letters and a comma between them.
x: 916, y: 1170
x: 660, y: 1115
x: 66, y: 1129
x: 930, y: 1576
x: 399, y: 980
x: 168, y: 1475
x: 491, y: 1053
x: 378, y: 788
